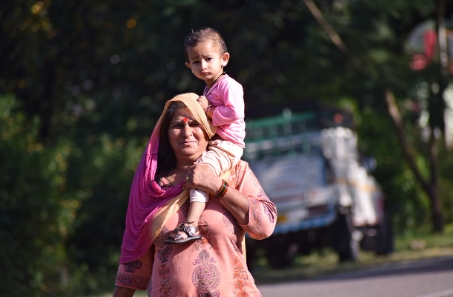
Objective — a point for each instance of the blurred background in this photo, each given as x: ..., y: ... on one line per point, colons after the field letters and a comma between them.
x: 82, y: 84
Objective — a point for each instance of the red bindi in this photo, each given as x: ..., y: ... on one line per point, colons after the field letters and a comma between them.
x: 185, y: 120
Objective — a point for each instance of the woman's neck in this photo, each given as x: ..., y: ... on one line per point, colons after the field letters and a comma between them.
x: 182, y: 166
x: 178, y: 174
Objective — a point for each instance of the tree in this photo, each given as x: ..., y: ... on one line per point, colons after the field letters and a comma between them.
x: 436, y: 104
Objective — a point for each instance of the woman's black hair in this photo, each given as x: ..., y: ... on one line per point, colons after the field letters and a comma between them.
x: 166, y: 159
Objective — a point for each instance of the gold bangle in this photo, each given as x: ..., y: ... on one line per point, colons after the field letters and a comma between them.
x: 223, y: 190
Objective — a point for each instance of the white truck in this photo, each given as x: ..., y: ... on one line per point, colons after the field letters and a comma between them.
x: 323, y: 193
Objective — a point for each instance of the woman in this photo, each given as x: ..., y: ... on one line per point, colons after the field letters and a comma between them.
x: 214, y: 265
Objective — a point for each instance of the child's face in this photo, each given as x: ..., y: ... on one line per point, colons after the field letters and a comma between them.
x: 206, y: 62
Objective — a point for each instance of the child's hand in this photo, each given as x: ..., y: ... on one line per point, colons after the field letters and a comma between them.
x: 203, y: 101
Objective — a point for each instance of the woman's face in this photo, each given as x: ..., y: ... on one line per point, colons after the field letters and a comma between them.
x: 187, y: 137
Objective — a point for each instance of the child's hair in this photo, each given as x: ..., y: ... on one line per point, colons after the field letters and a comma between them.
x: 204, y: 34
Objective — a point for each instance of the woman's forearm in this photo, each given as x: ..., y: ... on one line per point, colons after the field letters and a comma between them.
x: 237, y: 204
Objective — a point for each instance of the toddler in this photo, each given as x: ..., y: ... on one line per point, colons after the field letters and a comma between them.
x: 223, y: 102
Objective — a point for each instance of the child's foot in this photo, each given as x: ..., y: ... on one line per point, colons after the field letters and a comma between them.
x: 183, y: 233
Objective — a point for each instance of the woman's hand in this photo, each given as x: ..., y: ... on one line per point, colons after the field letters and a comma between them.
x: 202, y: 177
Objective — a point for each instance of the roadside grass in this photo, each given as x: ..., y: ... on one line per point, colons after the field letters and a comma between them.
x: 407, y: 247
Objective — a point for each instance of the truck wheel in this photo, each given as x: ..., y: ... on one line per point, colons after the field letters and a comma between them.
x: 278, y: 259
x: 281, y: 255
x: 345, y: 243
x: 352, y: 254
x: 384, y: 237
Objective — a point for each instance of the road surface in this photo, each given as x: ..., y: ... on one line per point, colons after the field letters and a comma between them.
x: 422, y: 278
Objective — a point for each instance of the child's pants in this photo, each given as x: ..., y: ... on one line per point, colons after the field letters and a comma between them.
x: 221, y: 156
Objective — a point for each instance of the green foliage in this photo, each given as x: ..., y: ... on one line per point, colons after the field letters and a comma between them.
x: 108, y: 165
x: 32, y: 211
x: 89, y: 80
x: 403, y: 197
x: 445, y: 184
x: 62, y: 208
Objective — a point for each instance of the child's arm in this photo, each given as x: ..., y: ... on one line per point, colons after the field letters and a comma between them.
x: 232, y: 107
x: 203, y: 101
x: 231, y: 95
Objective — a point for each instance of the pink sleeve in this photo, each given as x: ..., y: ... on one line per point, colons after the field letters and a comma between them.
x: 262, y: 211
x: 232, y: 109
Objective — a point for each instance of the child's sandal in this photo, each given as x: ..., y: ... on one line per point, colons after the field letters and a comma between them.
x: 176, y: 238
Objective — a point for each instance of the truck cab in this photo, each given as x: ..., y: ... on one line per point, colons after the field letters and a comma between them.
x: 323, y: 193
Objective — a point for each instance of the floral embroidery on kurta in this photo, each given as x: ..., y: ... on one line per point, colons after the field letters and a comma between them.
x: 131, y: 281
x: 132, y: 266
x: 240, y: 278
x: 165, y: 286
x: 255, y: 217
x: 163, y: 251
x: 206, y: 276
x: 263, y: 196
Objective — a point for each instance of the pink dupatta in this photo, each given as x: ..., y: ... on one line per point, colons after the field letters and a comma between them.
x: 150, y: 206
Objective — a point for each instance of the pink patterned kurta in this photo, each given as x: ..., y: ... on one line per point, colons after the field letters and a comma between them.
x: 214, y: 265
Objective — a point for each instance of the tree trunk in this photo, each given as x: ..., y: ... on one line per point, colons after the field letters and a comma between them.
x: 436, y: 210
x: 430, y: 187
